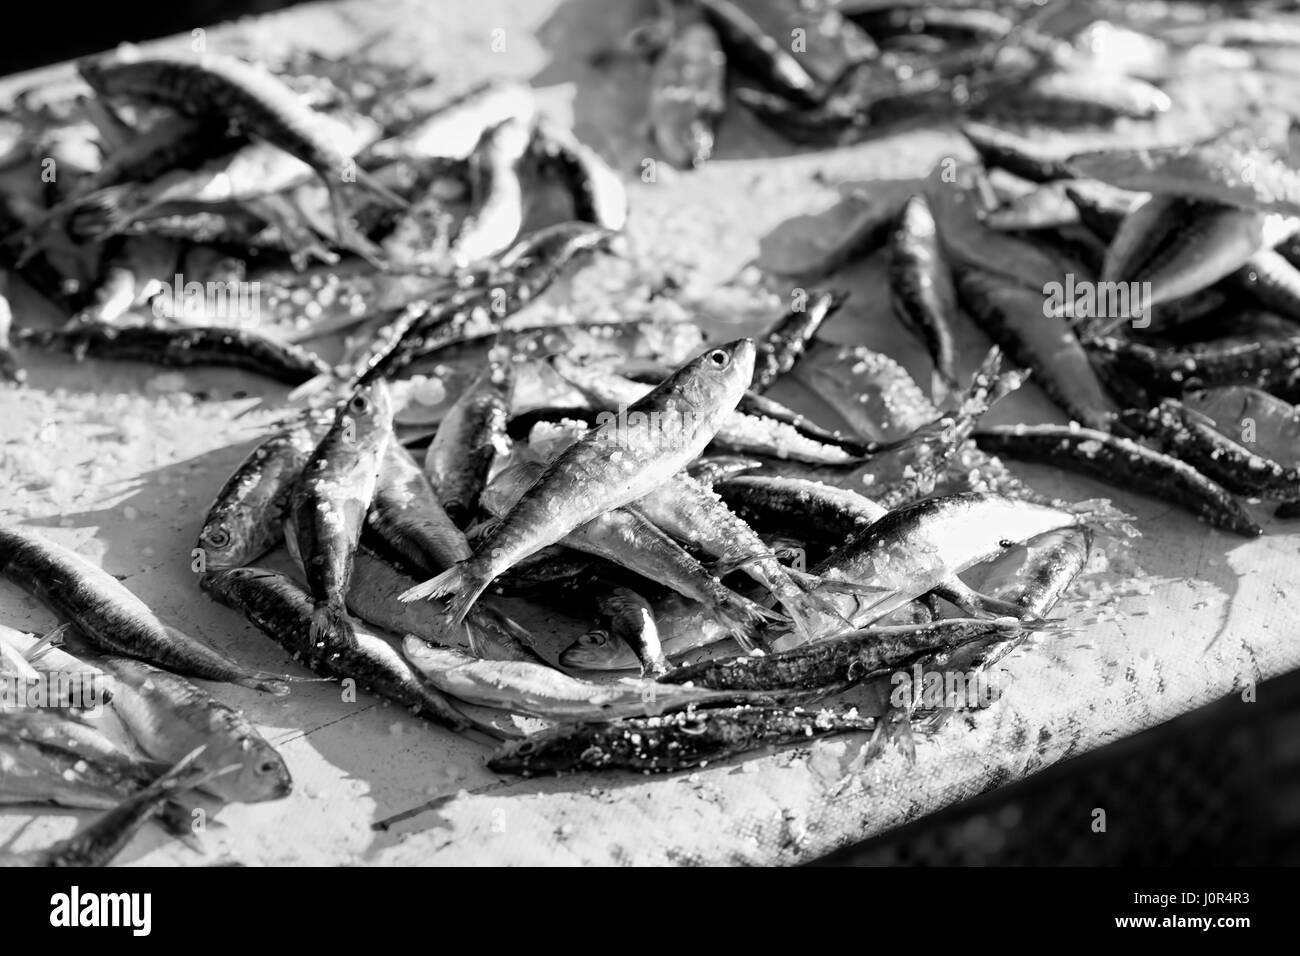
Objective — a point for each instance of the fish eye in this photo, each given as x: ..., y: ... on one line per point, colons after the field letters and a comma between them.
x: 719, y: 358
x: 267, y: 767
x: 594, y: 639
x: 359, y: 404
x: 525, y: 747
x: 217, y: 537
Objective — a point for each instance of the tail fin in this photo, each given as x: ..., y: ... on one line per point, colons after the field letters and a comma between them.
x: 460, y: 590
x: 106, y: 212
x: 331, y: 627
x: 743, y: 617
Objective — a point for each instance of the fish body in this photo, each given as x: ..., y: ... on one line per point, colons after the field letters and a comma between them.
x: 608, y: 468
x: 1015, y: 154
x: 688, y: 94
x: 470, y: 436
x: 110, y: 616
x: 922, y: 291
x: 330, y: 501
x: 781, y: 348
x: 218, y: 346
x: 542, y: 691
x: 499, y: 200
x: 408, y: 516
x: 453, y: 131
x: 1038, y: 339
x: 1115, y: 459
x: 679, y: 741
x: 598, y: 193
x: 806, y: 674
x: 283, y: 611
x: 168, y: 718
x: 631, y: 619
x: 246, y: 519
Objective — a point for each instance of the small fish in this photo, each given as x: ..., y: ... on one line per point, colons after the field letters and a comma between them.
x: 672, y: 742
x: 1210, y: 243
x: 766, y: 56
x: 806, y: 674
x: 849, y: 232
x: 598, y: 193
x: 246, y: 519
x: 1120, y: 460
x: 99, y: 842
x: 631, y: 619
x: 542, y: 691
x: 741, y: 432
x: 922, y: 545
x: 285, y: 612
x: 1188, y: 436
x: 1267, y: 359
x: 607, y: 469
x: 498, y: 194
x: 822, y: 516
x: 688, y: 92
x: 408, y: 516
x: 184, y: 348
x: 329, y: 503
x: 454, y: 130
x: 111, y: 617
x: 1073, y: 97
x: 1251, y: 416
x: 168, y: 717
x: 1102, y: 208
x: 471, y: 435
x: 1017, y: 155
x: 627, y: 538
x: 922, y: 292
x: 1223, y: 170
x: 1040, y: 340
x: 37, y: 772
x: 783, y: 346
x: 220, y: 88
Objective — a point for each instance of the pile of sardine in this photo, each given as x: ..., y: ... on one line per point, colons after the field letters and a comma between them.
x: 736, y: 566
x: 828, y: 73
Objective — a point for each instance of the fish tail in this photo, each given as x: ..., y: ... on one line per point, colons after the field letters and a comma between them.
x: 743, y: 617
x: 270, y: 683
x: 106, y: 212
x: 331, y: 627
x: 460, y: 590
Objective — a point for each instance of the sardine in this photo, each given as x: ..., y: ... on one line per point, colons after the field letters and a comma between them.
x: 284, y: 612
x: 1273, y: 282
x: 598, y: 193
x: 627, y: 538
x: 218, y: 346
x: 782, y: 347
x: 1038, y: 339
x: 471, y: 435
x: 607, y: 469
x: 168, y: 717
x: 110, y: 616
x: 1190, y: 437
x: 678, y: 741
x: 1121, y: 460
x: 498, y: 194
x: 1017, y: 155
x: 329, y: 503
x: 688, y: 92
x: 807, y: 674
x: 631, y: 619
x: 246, y: 519
x: 453, y: 131
x: 922, y: 292
x: 543, y: 691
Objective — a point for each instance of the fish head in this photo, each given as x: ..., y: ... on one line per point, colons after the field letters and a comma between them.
x: 262, y: 775
x: 711, y: 384
x: 596, y: 650
x: 227, y: 540
x: 370, y: 407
